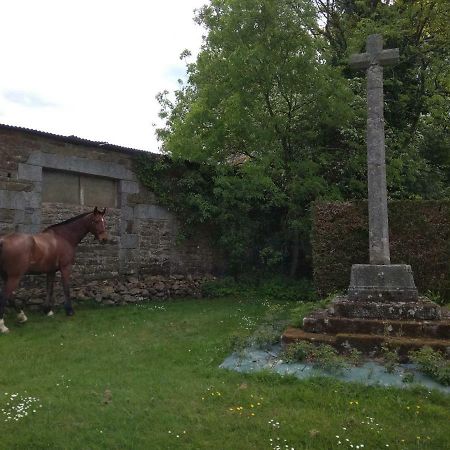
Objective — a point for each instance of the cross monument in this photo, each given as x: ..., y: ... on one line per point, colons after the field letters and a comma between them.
x: 380, y: 280
x: 382, y: 305
x: 373, y: 61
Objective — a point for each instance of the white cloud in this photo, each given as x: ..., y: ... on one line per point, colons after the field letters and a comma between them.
x: 92, y: 68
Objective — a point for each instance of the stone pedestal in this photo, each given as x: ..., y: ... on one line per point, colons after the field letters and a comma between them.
x: 382, y: 307
x: 366, y: 326
x: 382, y: 283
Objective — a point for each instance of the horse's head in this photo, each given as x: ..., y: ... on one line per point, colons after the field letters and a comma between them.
x: 97, y: 225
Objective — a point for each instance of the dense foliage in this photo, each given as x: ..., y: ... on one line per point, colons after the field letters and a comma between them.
x: 419, y: 236
x: 271, y: 118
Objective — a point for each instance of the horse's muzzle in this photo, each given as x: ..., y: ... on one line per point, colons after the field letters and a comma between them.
x: 103, y: 238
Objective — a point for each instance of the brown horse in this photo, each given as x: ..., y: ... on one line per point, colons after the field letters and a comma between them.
x: 48, y: 252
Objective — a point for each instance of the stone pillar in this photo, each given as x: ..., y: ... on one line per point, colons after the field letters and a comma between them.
x: 376, y: 166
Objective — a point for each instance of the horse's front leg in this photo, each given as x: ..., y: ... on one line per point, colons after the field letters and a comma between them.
x: 48, y: 305
x: 65, y: 277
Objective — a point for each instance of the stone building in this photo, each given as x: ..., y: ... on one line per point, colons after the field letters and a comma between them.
x: 46, y: 178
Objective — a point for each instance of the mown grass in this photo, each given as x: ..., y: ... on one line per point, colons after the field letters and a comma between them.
x: 147, y: 377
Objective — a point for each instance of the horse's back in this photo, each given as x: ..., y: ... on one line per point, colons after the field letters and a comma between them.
x: 15, y: 251
x: 22, y: 253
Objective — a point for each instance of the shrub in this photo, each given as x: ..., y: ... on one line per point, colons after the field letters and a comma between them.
x: 275, y: 288
x: 432, y: 363
x: 322, y: 356
x: 266, y: 335
x: 327, y: 358
x: 224, y: 287
x: 297, y: 352
x: 390, y: 358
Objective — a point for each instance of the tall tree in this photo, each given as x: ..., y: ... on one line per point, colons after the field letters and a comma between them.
x: 261, y: 93
x: 417, y: 91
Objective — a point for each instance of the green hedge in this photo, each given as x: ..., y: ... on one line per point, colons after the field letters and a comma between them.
x: 419, y: 235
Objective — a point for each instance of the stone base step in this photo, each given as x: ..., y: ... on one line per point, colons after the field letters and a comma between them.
x: 423, y: 309
x: 322, y: 322
x: 367, y: 343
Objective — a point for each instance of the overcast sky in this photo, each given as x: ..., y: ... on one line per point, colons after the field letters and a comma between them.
x: 92, y: 68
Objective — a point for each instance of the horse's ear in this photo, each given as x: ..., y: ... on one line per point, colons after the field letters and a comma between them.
x: 103, y: 212
x: 96, y: 210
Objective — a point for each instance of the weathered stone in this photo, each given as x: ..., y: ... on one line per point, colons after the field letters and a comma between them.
x: 10, y: 215
x: 129, y: 187
x: 129, y: 241
x: 382, y: 283
x: 367, y: 343
x: 151, y: 212
x: 29, y: 172
x: 323, y: 322
x: 14, y: 185
x: 420, y: 310
x: 374, y: 60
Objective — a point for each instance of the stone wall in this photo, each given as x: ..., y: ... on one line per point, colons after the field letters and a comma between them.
x: 144, y: 235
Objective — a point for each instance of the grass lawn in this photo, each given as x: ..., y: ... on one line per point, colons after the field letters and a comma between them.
x: 147, y: 377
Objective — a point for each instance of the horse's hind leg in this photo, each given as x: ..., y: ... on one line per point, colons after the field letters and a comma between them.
x: 10, y: 286
x: 65, y: 277
x: 3, y: 327
x: 48, y: 305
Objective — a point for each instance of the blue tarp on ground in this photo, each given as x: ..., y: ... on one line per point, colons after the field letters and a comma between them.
x: 370, y: 373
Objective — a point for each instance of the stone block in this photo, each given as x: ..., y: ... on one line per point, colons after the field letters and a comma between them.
x: 32, y: 200
x: 28, y: 228
x: 420, y: 310
x: 8, y: 215
x: 11, y: 200
x: 143, y: 196
x: 126, y: 213
x: 87, y: 166
x: 29, y: 172
x: 11, y: 184
x: 128, y: 187
x: 367, y: 343
x: 35, y: 158
x: 151, y: 212
x: 129, y: 241
x: 37, y: 186
x: 32, y: 217
x: 382, y: 283
x: 322, y: 322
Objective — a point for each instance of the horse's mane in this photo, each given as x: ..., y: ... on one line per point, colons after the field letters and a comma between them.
x: 66, y: 222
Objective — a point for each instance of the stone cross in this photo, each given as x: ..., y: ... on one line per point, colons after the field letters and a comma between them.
x: 373, y: 61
